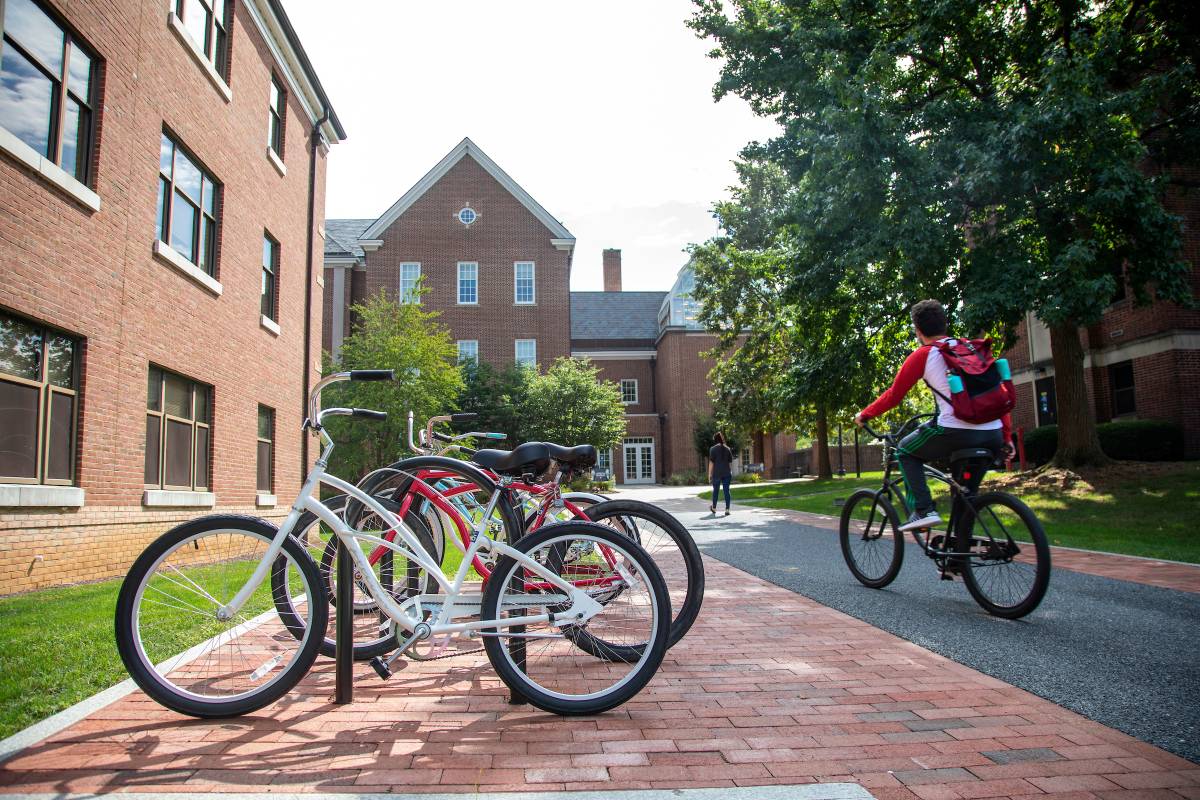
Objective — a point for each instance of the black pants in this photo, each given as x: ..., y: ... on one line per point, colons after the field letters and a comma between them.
x: 718, y: 483
x: 932, y: 442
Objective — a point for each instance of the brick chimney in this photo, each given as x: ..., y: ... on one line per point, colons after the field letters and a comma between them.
x: 612, y: 270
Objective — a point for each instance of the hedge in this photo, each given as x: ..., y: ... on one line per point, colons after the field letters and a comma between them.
x: 1130, y: 440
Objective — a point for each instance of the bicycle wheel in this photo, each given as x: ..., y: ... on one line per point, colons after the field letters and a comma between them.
x: 374, y: 633
x: 675, y: 554
x: 1008, y: 571
x: 871, y: 542
x: 539, y: 662
x: 177, y: 649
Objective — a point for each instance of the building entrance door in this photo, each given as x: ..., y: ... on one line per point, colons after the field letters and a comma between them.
x: 639, y: 460
x: 1047, y: 403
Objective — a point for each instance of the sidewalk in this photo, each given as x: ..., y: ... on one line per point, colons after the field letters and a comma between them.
x: 768, y: 688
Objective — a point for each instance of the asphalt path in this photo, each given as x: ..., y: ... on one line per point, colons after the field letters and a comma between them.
x: 1123, y: 654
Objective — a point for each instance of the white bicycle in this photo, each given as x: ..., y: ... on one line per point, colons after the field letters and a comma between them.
x: 201, y: 628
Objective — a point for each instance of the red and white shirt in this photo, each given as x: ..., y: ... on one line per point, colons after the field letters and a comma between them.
x: 926, y: 363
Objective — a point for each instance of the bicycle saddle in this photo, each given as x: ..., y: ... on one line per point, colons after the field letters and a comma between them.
x: 531, y: 458
x: 971, y: 454
x: 579, y: 457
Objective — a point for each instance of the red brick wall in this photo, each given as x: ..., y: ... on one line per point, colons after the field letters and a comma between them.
x: 505, y: 232
x: 93, y: 275
x: 682, y: 388
x: 639, y: 369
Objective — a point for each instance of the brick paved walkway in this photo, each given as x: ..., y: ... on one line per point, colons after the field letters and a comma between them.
x: 1166, y: 574
x: 812, y: 696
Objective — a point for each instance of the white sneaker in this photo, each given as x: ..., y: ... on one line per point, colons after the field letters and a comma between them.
x: 919, y: 520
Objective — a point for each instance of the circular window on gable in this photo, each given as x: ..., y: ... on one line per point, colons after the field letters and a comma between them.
x: 467, y: 215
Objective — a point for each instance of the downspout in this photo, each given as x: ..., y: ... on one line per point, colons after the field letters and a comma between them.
x: 314, y: 143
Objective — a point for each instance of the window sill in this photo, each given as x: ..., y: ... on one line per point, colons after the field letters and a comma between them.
x: 49, y: 171
x: 168, y: 498
x: 265, y: 500
x: 167, y: 254
x: 270, y: 324
x: 276, y: 162
x: 28, y: 495
x: 197, y: 54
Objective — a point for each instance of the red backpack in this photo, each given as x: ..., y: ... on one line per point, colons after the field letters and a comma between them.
x: 984, y: 390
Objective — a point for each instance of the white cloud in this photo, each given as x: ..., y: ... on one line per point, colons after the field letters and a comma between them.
x: 602, y: 111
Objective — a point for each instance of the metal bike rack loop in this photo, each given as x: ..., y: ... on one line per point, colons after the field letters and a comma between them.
x: 344, y: 653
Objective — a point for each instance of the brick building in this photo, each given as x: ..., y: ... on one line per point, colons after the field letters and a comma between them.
x: 1140, y: 363
x: 497, y: 266
x: 162, y: 174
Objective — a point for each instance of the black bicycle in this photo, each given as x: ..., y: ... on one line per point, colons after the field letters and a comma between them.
x: 992, y: 540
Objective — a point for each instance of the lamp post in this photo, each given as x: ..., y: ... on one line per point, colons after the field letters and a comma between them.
x: 841, y: 454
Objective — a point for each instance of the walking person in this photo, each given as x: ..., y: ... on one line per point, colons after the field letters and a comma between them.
x: 940, y: 437
x: 720, y: 470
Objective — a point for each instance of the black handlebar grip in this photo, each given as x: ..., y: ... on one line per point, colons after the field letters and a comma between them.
x: 366, y: 413
x: 372, y: 374
x: 463, y: 417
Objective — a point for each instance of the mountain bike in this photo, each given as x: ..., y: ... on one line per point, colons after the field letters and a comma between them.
x: 993, y: 540
x: 199, y: 625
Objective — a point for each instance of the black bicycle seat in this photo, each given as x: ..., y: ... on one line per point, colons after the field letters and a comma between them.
x: 579, y: 457
x: 531, y: 458
x: 972, y: 454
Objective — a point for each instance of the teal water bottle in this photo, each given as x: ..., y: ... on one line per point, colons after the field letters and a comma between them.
x: 1005, y: 372
x: 956, y: 384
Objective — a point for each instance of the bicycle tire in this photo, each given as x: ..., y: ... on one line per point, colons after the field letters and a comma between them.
x: 652, y: 651
x: 139, y: 663
x: 363, y: 650
x: 1041, y: 550
x: 684, y: 614
x: 881, y: 578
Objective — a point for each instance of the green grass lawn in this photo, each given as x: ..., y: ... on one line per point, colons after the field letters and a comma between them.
x: 1151, y: 517
x: 57, y: 646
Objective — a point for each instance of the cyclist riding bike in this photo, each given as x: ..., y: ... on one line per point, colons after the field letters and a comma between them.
x: 939, y: 437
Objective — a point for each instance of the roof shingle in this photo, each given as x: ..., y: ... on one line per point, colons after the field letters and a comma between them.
x: 615, y: 315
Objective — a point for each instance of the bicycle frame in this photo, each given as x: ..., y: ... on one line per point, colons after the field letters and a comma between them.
x: 960, y: 500
x: 439, y: 499
x: 453, y: 603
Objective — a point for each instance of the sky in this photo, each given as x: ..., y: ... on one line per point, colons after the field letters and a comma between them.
x: 602, y: 111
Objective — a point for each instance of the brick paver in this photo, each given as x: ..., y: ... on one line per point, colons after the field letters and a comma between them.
x: 769, y: 687
x: 1165, y: 574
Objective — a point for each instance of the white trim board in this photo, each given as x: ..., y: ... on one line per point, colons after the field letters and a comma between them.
x: 808, y: 791
x: 561, y: 237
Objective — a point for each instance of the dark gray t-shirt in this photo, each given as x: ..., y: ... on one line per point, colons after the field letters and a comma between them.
x: 722, y: 461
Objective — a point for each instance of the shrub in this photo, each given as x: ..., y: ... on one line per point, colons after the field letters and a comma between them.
x: 693, y: 477
x: 1142, y: 440
x: 1040, y: 444
x: 748, y: 477
x: 1126, y: 440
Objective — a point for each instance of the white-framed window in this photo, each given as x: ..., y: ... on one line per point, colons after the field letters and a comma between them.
x: 526, y: 352
x: 604, y: 461
x: 524, y: 293
x: 468, y: 350
x: 410, y: 277
x: 205, y: 20
x: 468, y: 283
x: 629, y: 394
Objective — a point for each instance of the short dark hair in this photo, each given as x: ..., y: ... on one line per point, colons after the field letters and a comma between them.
x: 929, y: 317
x: 719, y: 438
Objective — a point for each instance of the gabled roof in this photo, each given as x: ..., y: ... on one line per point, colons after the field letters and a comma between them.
x: 341, y: 237
x: 615, y: 315
x: 468, y: 148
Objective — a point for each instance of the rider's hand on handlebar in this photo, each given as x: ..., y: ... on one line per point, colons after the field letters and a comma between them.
x: 1009, y: 451
x: 858, y: 420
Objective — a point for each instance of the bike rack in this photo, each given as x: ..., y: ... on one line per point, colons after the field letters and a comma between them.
x: 344, y: 653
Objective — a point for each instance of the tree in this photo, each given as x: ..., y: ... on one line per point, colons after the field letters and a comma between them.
x: 497, y: 396
x: 403, y: 337
x: 570, y: 405
x: 1004, y: 157
x: 704, y: 436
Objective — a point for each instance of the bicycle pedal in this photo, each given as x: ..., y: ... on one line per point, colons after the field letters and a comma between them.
x: 947, y: 576
x: 382, y: 669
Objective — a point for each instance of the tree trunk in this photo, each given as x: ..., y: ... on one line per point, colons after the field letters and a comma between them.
x: 1078, y: 443
x: 821, y: 446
